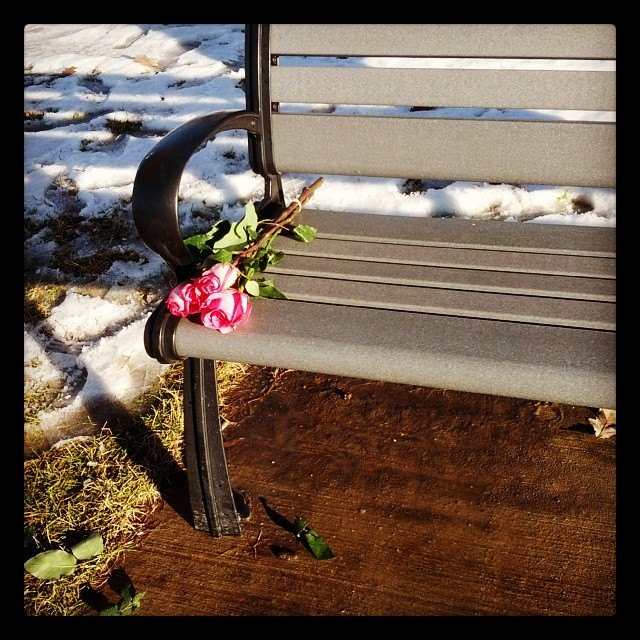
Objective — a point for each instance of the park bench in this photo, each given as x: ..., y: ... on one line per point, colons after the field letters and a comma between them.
x: 517, y: 309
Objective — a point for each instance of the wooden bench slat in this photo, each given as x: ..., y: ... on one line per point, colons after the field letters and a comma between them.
x: 520, y: 262
x: 464, y: 233
x: 567, y: 41
x: 582, y: 288
x: 447, y: 352
x: 502, y: 151
x: 498, y: 89
x: 453, y: 302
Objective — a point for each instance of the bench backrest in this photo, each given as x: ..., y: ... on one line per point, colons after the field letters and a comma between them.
x: 527, y: 146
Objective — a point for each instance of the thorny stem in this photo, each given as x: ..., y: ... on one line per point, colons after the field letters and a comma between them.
x: 282, y: 220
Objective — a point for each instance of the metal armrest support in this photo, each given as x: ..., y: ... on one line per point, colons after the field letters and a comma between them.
x: 155, y: 213
x: 155, y: 190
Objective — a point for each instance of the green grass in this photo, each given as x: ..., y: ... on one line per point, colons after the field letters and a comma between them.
x: 110, y: 484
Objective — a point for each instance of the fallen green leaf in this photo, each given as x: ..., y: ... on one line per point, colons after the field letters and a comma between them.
x: 51, y: 565
x: 88, y: 548
x: 127, y: 605
x: 318, y: 547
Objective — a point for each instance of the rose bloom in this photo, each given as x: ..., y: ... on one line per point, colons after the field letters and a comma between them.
x: 226, y: 310
x: 184, y: 299
x: 190, y: 297
x: 219, y: 277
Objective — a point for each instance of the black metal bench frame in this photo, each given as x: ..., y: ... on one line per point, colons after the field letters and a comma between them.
x: 515, y: 309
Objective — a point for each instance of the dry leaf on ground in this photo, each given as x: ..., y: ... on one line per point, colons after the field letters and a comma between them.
x: 147, y: 62
x: 604, y: 424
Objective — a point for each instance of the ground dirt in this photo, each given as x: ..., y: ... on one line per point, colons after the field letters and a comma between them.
x: 434, y: 503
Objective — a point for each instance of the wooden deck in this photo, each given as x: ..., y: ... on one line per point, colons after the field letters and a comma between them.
x: 434, y: 503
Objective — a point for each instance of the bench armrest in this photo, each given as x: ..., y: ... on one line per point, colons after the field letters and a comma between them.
x: 155, y: 190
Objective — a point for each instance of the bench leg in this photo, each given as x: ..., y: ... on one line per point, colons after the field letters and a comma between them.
x: 212, y: 502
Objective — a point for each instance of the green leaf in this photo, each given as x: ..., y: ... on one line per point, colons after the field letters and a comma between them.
x: 51, y: 565
x: 88, y: 548
x: 127, y: 604
x: 223, y: 255
x: 260, y: 261
x: 199, y: 241
x: 318, y: 547
x: 231, y: 240
x: 268, y: 290
x: 203, y: 242
x: 199, y: 245
x: 217, y: 231
x: 304, y: 232
x: 252, y: 288
x: 250, y: 216
x: 111, y: 611
x: 240, y: 233
x: 275, y: 256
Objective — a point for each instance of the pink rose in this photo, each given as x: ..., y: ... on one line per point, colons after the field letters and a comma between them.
x: 191, y: 297
x: 184, y: 299
x: 226, y: 310
x: 219, y: 277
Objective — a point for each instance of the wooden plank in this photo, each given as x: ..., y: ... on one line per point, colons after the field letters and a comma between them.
x: 569, y: 41
x: 463, y: 233
x: 578, y: 288
x: 494, y: 260
x: 504, y: 151
x: 435, y: 503
x: 554, y: 311
x: 497, y: 88
x: 515, y: 359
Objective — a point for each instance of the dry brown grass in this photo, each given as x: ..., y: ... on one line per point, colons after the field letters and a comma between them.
x: 109, y: 484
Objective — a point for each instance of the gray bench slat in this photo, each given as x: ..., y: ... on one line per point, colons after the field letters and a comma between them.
x: 521, y: 262
x: 463, y: 233
x: 575, y: 366
x: 549, y: 152
x: 515, y: 89
x: 451, y: 302
x: 589, y: 41
x: 582, y: 288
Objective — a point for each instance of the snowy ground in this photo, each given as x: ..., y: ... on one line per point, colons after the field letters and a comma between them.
x: 96, y: 99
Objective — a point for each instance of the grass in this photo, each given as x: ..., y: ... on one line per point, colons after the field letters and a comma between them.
x: 111, y: 484
x: 39, y: 299
x: 120, y: 126
x: 70, y: 232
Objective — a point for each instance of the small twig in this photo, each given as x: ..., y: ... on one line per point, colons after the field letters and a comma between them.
x: 255, y: 544
x: 281, y: 221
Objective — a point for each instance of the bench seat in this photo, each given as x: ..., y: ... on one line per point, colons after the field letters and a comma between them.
x: 515, y: 309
